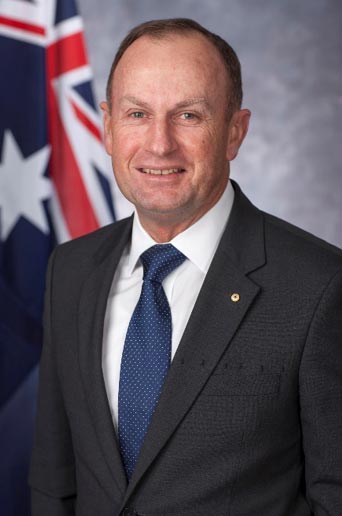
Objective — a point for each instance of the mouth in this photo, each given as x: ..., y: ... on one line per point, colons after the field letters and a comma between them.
x: 161, y: 171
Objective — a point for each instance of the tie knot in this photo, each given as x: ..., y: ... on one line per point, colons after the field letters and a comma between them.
x: 160, y: 260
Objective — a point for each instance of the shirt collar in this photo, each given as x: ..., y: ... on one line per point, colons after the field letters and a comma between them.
x: 198, y: 242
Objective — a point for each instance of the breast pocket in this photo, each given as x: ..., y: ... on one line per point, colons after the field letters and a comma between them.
x: 243, y: 382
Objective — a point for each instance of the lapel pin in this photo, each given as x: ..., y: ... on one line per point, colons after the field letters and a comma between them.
x: 235, y: 297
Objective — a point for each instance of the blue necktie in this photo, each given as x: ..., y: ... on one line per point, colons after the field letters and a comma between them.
x: 147, y: 352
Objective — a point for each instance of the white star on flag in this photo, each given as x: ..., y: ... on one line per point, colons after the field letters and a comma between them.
x: 23, y: 186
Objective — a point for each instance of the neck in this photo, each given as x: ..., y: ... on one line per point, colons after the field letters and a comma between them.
x: 162, y: 233
x: 163, y: 227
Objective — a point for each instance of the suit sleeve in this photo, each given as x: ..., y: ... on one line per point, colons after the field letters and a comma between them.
x: 321, y: 403
x: 52, y: 472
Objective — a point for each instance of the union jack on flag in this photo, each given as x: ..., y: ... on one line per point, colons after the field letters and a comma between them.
x: 54, y: 185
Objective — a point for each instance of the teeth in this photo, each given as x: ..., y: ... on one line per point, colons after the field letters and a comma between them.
x: 164, y: 172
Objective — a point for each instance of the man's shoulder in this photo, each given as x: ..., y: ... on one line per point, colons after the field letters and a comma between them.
x: 95, y: 244
x: 297, y: 246
x: 283, y: 244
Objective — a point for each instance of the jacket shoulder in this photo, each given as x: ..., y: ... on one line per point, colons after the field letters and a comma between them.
x: 83, y: 252
x: 91, y: 242
x: 299, y: 246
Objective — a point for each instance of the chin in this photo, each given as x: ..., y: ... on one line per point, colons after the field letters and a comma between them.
x: 168, y: 204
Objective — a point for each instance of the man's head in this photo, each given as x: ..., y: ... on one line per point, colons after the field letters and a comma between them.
x: 159, y: 29
x: 172, y: 124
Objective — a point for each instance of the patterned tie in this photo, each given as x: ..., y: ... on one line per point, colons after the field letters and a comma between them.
x: 147, y: 352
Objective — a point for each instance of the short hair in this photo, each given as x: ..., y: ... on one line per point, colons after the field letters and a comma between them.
x: 159, y: 29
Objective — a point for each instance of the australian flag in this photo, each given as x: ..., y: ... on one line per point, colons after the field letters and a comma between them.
x: 54, y: 185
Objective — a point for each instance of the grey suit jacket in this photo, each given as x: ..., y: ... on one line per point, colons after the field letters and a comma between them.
x: 249, y: 422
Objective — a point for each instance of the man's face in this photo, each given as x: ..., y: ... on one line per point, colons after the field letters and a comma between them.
x: 168, y: 132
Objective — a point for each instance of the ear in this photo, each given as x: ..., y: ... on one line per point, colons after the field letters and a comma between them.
x: 107, y: 126
x: 238, y: 128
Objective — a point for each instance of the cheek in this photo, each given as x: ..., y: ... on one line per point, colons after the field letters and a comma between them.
x: 202, y: 142
x: 123, y: 146
x: 194, y: 146
x: 126, y: 138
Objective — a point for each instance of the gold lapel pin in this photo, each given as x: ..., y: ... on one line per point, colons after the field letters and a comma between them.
x: 235, y: 297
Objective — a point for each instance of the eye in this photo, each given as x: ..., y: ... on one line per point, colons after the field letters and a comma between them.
x: 137, y: 114
x: 188, y: 116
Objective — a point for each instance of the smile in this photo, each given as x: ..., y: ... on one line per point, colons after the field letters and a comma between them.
x: 161, y: 172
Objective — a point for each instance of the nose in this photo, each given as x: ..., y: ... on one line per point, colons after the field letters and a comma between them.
x: 160, y: 138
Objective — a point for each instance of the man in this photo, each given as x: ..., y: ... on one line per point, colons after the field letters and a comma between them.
x: 237, y: 407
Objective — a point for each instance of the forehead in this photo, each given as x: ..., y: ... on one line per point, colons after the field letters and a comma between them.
x: 178, y: 60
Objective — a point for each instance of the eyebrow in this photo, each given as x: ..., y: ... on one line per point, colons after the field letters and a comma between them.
x: 184, y: 103
x: 134, y: 100
x: 192, y: 102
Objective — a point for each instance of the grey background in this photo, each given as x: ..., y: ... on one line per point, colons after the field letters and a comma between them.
x: 290, y: 51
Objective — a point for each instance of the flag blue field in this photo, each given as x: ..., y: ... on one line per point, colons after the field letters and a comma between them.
x: 54, y: 185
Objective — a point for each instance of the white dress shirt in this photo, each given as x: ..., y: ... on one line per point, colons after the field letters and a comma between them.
x: 198, y: 243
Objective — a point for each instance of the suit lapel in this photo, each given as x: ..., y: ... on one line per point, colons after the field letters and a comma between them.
x: 92, y: 309
x: 213, y: 323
